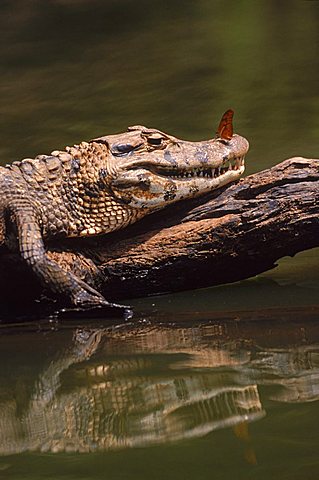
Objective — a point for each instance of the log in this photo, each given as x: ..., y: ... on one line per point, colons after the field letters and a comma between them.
x: 232, y: 234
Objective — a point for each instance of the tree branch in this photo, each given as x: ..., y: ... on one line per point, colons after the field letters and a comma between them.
x: 239, y: 231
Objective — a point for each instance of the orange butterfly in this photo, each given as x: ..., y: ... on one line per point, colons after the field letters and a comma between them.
x: 225, y: 128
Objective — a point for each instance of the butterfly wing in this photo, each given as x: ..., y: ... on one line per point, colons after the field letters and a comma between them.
x: 225, y: 128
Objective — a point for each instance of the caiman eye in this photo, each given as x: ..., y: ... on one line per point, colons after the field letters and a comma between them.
x: 121, y: 148
x: 155, y: 140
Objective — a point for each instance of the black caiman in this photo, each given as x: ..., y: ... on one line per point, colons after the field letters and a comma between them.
x: 104, y: 185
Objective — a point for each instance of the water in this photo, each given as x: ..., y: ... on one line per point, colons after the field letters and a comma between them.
x: 219, y: 382
x: 182, y: 401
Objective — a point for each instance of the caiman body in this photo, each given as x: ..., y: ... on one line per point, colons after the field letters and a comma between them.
x: 101, y: 186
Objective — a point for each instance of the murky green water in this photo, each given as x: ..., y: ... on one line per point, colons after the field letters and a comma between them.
x: 198, y: 399
x: 179, y: 394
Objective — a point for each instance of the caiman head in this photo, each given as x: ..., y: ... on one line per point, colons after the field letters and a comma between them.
x: 148, y: 169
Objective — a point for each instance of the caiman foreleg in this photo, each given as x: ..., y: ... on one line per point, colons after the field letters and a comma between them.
x: 78, y: 293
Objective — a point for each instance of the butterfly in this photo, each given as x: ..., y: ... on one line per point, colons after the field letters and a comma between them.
x: 225, y: 128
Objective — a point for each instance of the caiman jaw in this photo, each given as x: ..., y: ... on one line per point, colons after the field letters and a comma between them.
x: 152, y: 187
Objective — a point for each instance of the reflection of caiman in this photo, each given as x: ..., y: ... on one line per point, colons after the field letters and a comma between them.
x: 115, y: 388
x: 80, y: 404
x: 109, y: 388
x: 104, y: 185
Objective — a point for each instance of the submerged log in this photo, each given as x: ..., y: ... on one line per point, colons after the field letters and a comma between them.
x: 237, y: 232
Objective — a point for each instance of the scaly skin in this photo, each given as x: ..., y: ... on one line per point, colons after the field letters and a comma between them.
x: 101, y: 186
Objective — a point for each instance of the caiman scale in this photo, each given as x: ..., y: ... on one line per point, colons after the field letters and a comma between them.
x: 104, y: 185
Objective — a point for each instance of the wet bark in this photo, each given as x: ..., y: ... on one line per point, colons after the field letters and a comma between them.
x: 238, y: 232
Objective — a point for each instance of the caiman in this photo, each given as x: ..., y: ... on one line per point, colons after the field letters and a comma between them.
x: 104, y: 185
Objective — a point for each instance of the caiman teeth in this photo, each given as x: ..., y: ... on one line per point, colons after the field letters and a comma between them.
x: 232, y: 164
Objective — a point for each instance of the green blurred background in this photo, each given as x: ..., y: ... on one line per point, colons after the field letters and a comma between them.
x: 72, y: 70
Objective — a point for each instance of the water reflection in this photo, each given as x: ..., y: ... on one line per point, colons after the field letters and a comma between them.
x: 101, y: 388
x: 294, y: 370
